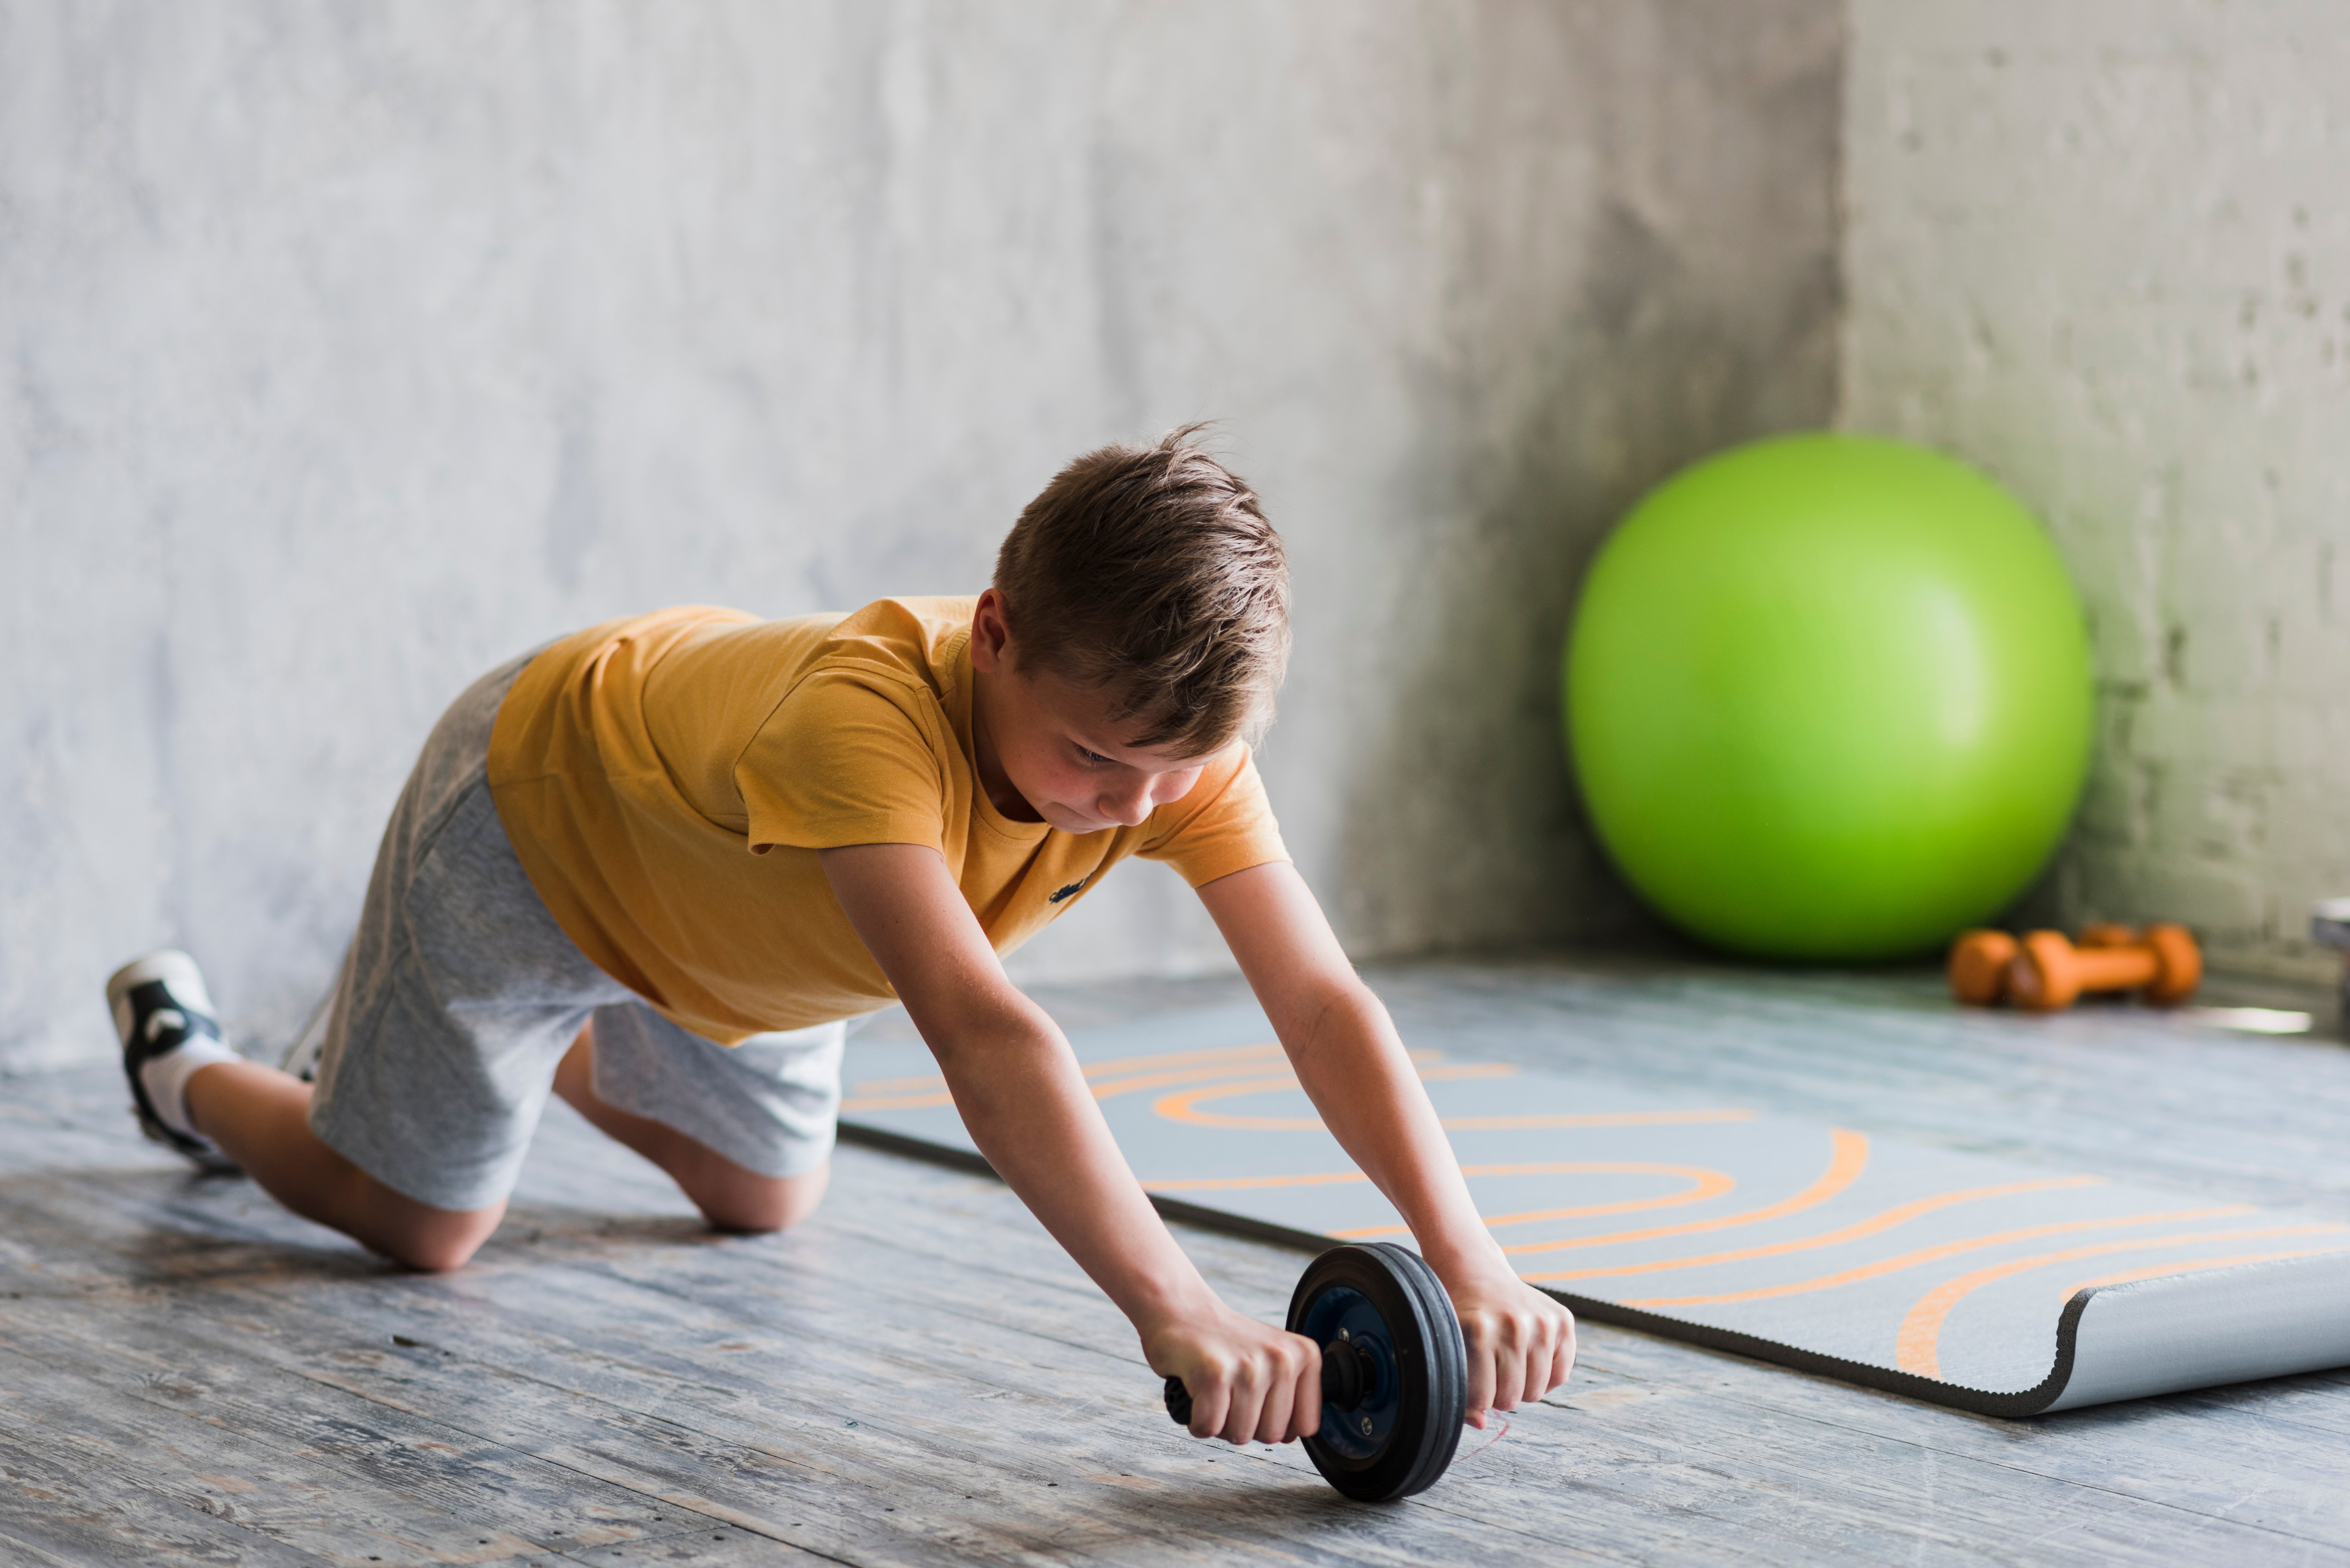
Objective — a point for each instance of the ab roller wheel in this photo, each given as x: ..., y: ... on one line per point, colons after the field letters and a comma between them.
x: 1395, y: 1378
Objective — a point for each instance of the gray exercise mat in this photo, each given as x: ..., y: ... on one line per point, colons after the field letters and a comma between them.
x: 1986, y: 1284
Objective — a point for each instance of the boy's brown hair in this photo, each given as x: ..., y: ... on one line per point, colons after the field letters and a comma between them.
x: 1150, y: 572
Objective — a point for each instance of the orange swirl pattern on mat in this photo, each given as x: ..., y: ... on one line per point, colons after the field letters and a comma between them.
x: 1918, y: 1346
x: 1924, y: 1255
x: 1899, y: 1214
x: 1847, y: 1157
x: 1594, y: 1120
x: 1703, y: 1184
x: 1122, y: 1076
x: 1184, y: 1107
x: 1111, y: 1088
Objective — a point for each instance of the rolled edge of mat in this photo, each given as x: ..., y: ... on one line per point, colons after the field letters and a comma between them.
x: 2010, y: 1406
x: 2167, y: 1335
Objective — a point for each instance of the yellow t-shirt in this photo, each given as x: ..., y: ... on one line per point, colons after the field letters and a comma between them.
x: 668, y: 779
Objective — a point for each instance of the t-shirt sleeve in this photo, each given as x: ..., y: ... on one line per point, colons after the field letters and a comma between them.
x: 847, y: 758
x: 1222, y: 825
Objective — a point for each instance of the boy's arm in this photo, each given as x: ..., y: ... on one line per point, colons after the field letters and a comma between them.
x: 1352, y: 1064
x: 1022, y: 1096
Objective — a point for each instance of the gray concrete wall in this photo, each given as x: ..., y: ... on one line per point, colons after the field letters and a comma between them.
x: 2101, y: 250
x: 352, y: 348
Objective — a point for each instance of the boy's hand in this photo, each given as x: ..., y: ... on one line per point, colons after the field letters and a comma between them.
x: 1520, y: 1342
x: 1247, y: 1380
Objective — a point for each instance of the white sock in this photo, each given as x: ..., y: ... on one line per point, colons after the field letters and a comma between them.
x: 165, y: 1078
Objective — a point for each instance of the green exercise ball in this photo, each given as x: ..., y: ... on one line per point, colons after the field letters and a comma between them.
x: 1828, y: 698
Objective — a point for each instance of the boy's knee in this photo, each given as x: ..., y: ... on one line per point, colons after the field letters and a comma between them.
x: 435, y: 1255
x: 758, y: 1205
x: 430, y: 1241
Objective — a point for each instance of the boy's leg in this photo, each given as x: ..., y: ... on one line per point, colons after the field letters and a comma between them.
x: 730, y: 1197
x: 260, y: 1117
x: 193, y: 1095
x: 746, y: 1131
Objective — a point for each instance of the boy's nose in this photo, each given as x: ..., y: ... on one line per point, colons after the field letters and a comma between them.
x: 1128, y: 809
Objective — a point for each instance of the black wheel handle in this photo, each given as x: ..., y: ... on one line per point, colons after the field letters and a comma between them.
x: 1347, y: 1375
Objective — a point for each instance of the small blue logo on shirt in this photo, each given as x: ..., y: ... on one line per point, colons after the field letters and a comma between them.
x: 1070, y: 891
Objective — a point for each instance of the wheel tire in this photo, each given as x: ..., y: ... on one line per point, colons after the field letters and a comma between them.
x: 1432, y: 1368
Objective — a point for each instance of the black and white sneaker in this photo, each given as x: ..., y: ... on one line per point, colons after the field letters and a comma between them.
x: 160, y: 1004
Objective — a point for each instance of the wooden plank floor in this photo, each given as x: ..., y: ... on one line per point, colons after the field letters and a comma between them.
x: 187, y: 1375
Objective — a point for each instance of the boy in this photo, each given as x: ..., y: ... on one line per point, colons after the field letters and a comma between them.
x: 656, y: 864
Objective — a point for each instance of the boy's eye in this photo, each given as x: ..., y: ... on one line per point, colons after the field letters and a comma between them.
x: 1092, y: 759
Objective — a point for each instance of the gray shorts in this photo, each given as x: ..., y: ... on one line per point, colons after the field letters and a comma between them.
x: 461, y: 994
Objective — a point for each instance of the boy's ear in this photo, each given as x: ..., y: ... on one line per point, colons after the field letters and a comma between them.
x: 991, y: 636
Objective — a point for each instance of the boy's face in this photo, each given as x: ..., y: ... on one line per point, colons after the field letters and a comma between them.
x: 1050, y: 744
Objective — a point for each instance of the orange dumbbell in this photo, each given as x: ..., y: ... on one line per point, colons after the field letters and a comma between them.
x: 2164, y: 965
x: 1979, y: 964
